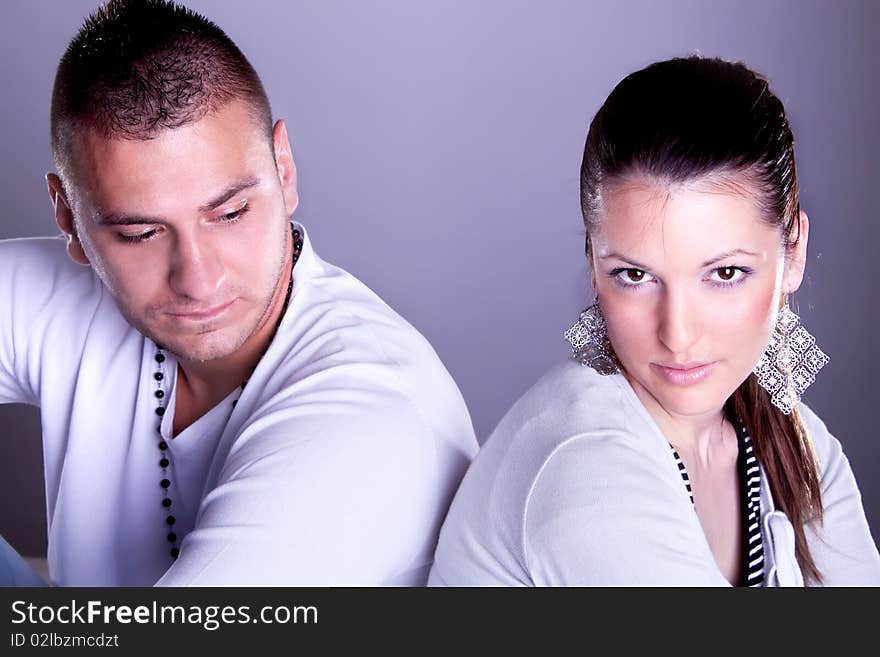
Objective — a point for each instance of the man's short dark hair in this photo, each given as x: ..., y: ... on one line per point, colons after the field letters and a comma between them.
x: 138, y: 67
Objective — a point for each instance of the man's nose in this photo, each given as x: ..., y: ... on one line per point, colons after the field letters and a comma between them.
x: 196, y: 271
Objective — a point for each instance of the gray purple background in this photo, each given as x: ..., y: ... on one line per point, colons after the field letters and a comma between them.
x: 438, y: 147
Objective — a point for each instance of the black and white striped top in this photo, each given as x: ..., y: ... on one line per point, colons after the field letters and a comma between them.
x: 750, y: 487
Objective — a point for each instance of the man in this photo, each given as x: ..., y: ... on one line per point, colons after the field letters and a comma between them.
x: 220, y: 406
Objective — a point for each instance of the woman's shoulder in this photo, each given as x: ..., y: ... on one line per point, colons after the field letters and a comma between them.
x: 574, y: 447
x: 842, y: 546
x: 826, y: 447
x: 569, y: 400
x: 571, y: 408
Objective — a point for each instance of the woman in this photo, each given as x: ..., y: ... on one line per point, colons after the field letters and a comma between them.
x: 673, y: 449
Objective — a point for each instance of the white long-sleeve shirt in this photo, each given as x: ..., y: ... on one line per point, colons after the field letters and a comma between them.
x: 578, y: 486
x: 336, y: 465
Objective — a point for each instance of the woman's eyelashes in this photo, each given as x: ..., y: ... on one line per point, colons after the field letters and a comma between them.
x: 630, y: 277
x: 724, y: 277
x: 729, y: 276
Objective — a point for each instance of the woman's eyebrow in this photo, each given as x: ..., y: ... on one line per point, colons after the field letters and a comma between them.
x: 727, y: 254
x: 617, y: 256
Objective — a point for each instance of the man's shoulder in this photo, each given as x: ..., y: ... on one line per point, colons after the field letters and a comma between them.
x: 349, y: 304
x: 36, y: 272
x: 45, y: 251
x: 344, y: 356
x: 40, y: 260
x: 336, y: 326
x: 333, y: 309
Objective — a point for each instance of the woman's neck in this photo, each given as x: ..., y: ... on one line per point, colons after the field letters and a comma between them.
x: 705, y: 438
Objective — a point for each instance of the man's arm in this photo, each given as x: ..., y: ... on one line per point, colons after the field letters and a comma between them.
x: 25, y: 294
x: 47, y: 305
x: 338, y: 488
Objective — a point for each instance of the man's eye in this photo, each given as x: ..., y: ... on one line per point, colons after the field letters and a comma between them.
x: 138, y: 237
x: 235, y: 215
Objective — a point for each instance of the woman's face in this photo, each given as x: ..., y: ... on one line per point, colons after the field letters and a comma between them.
x: 690, y: 280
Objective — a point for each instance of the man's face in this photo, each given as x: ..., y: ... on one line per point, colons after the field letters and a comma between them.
x: 189, y: 231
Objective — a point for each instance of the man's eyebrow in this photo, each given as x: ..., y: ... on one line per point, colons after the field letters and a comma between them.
x: 120, y: 219
x: 712, y: 261
x: 229, y: 192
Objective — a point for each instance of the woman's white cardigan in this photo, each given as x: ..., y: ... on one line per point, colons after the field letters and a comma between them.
x: 578, y: 486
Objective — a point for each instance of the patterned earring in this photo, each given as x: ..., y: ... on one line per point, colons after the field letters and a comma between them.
x: 790, y: 363
x: 589, y: 342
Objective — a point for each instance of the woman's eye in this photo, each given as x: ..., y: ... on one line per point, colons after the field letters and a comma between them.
x: 633, y: 276
x: 727, y: 275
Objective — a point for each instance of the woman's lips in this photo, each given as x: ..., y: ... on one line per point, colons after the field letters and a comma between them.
x: 684, y: 375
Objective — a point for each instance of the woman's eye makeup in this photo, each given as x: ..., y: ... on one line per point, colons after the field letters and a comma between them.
x: 631, y: 277
x: 728, y: 276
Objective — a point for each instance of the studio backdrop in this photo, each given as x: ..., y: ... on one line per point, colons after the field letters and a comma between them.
x: 438, y: 147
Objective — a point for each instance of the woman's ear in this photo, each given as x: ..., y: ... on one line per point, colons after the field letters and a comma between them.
x: 64, y: 219
x: 591, y: 267
x: 796, y: 259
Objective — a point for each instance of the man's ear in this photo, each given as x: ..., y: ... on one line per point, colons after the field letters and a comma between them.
x: 796, y: 259
x: 285, y: 166
x: 64, y: 219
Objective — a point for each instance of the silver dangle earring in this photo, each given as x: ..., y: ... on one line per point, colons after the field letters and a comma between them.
x: 589, y: 342
x: 790, y: 363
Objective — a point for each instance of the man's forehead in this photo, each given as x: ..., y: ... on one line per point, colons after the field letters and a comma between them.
x: 233, y: 125
x: 218, y: 151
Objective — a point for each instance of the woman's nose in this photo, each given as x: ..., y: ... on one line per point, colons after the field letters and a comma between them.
x: 679, y: 323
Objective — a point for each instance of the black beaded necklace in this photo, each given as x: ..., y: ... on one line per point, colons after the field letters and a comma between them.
x: 160, y: 397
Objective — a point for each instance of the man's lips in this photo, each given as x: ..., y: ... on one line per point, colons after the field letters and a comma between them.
x: 203, y: 314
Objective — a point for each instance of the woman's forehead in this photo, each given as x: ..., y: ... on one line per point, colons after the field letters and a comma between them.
x: 686, y: 222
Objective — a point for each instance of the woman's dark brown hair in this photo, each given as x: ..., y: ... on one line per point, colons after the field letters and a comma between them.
x: 684, y: 119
